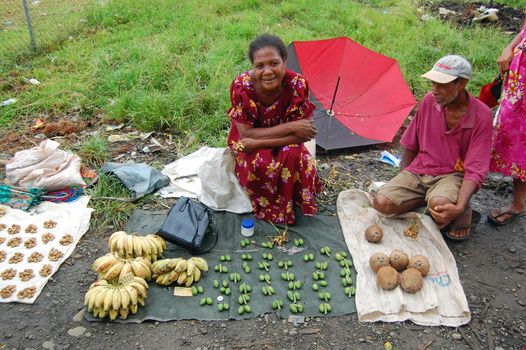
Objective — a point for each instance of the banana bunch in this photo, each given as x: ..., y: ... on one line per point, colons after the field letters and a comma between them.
x: 131, y: 246
x: 116, y: 299
x: 111, y: 267
x: 182, y: 272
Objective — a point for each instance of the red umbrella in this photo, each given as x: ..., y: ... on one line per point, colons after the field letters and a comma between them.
x: 361, y: 95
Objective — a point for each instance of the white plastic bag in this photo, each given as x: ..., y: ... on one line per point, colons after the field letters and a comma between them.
x: 44, y: 166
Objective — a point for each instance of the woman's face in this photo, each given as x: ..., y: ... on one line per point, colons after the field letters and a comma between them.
x: 269, y: 69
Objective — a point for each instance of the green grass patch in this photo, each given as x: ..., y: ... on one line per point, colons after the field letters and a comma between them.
x: 167, y: 65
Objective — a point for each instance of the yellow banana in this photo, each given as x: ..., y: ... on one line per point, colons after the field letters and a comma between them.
x: 133, y: 294
x: 113, y: 314
x: 200, y: 263
x: 190, y: 267
x: 96, y: 312
x: 123, y: 312
x: 114, y: 271
x: 120, y: 246
x: 197, y: 275
x: 141, y: 301
x: 112, y: 242
x: 140, y: 289
x: 137, y: 247
x: 116, y: 299
x: 133, y: 308
x: 108, y: 297
x: 128, y: 246
x: 126, y: 269
x: 146, y: 249
x: 125, y: 298
x: 173, y: 276
x: 104, y: 262
x: 102, y: 313
x: 182, y: 278
x: 189, y: 280
x: 181, y: 265
x: 100, y: 298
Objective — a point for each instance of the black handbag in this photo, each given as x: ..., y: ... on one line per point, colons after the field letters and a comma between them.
x: 187, y: 225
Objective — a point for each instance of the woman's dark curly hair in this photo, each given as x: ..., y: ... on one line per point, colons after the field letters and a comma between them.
x: 267, y: 40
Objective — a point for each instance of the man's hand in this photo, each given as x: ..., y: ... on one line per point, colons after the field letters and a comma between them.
x: 304, y: 129
x: 444, y: 214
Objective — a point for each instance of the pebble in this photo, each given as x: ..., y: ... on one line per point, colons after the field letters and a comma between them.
x: 48, y: 345
x: 512, y: 250
x: 79, y: 316
x: 293, y: 332
x: 522, y: 302
x: 77, y: 331
x: 456, y: 336
x: 87, y: 335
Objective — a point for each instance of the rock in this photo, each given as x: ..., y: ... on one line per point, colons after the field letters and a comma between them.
x: 79, y: 316
x: 48, y: 345
x: 512, y: 250
x: 456, y: 336
x: 522, y: 302
x: 293, y: 332
x: 77, y: 331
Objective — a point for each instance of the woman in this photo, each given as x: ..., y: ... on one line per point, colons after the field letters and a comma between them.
x: 509, y: 139
x: 271, y: 119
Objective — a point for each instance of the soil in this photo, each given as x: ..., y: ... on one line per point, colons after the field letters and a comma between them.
x: 492, y: 267
x: 491, y: 264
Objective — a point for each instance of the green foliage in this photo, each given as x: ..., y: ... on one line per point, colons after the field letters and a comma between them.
x: 94, y: 150
x: 165, y: 64
x: 109, y: 211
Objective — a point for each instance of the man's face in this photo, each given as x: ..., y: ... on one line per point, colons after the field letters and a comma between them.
x: 269, y: 68
x: 446, y: 93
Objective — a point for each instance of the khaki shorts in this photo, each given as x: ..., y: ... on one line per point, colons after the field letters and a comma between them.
x: 407, y: 186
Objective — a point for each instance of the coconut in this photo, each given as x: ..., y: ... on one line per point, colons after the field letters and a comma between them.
x: 421, y: 263
x: 387, y: 278
x: 374, y: 233
x: 378, y: 260
x: 411, y: 280
x: 399, y: 260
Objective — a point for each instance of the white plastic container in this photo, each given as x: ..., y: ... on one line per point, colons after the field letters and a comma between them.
x: 247, y: 227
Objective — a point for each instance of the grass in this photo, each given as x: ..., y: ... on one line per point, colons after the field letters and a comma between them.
x: 168, y: 65
x: 94, y: 150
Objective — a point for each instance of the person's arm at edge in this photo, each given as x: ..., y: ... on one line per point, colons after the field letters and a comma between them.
x: 407, y: 158
x: 506, y: 55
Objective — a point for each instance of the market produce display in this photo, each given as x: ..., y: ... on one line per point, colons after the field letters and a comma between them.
x: 150, y: 247
x: 33, y: 245
x: 398, y: 269
x: 116, y: 299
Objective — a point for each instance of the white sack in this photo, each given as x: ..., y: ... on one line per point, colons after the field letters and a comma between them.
x: 71, y: 218
x: 440, y: 302
x: 208, y: 175
x: 44, y: 166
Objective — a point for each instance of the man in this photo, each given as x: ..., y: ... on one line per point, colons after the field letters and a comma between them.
x: 446, y: 152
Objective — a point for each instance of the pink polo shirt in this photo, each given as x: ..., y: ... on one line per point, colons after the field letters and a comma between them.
x: 439, y: 149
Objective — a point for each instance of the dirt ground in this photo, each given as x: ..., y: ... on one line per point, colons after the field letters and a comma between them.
x: 491, y: 264
x: 492, y: 267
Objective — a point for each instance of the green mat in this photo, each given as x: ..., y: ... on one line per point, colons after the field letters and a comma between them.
x: 317, y: 231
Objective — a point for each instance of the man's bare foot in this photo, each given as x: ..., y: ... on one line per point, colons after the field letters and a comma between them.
x: 461, y: 227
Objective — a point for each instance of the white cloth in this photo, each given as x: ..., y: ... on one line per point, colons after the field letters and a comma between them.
x: 441, y: 301
x: 44, y: 166
x: 71, y: 218
x: 208, y: 175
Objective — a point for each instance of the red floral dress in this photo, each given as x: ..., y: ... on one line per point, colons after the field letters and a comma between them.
x: 508, y: 154
x: 274, y: 179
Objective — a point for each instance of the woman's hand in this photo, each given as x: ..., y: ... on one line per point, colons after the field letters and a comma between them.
x: 249, y: 145
x: 304, y: 129
x: 504, y: 60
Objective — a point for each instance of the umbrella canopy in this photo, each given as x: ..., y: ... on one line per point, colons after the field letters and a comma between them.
x: 360, y: 95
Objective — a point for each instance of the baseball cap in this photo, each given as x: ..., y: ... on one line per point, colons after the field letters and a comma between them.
x: 449, y: 68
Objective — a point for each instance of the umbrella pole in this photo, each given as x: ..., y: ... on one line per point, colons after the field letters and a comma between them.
x: 330, y: 112
x: 334, y: 96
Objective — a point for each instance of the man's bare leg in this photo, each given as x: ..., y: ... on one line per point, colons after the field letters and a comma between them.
x: 387, y: 207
